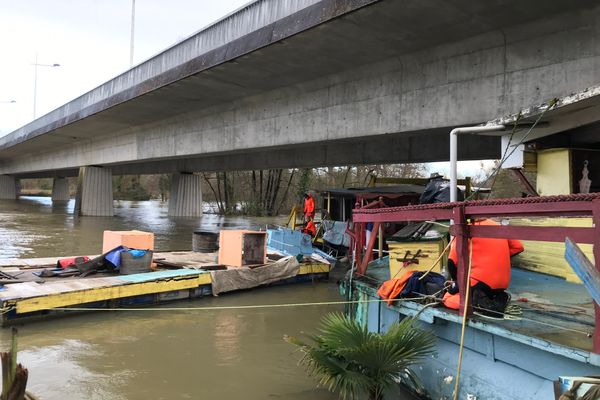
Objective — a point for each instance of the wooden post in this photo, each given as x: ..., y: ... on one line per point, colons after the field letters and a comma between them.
x: 14, y: 376
x: 468, y: 188
x: 596, y: 219
x: 359, y: 241
x: 459, y: 229
x: 362, y: 266
x: 380, y: 233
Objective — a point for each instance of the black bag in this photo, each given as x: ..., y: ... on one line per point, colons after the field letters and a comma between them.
x: 438, y: 191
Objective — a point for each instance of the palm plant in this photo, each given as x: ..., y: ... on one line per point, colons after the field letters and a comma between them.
x: 346, y: 358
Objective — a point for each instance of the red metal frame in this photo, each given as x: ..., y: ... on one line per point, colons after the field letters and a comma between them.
x: 462, y: 213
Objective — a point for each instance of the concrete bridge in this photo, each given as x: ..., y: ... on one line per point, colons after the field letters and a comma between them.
x: 305, y: 83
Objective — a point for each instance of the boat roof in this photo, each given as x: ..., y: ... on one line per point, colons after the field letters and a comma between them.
x: 386, y: 191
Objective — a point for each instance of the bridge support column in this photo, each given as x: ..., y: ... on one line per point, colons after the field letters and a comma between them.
x: 60, y: 189
x: 186, y: 195
x: 8, y: 187
x: 94, y: 192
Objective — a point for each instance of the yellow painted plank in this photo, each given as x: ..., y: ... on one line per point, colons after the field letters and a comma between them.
x: 54, y: 300
x: 316, y: 268
x: 548, y: 257
x: 108, y: 293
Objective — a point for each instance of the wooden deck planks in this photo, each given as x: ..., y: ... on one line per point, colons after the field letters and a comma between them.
x: 32, y: 289
x: 30, y: 296
x: 76, y: 297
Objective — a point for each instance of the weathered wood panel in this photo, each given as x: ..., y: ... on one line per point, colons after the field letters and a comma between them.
x: 548, y: 257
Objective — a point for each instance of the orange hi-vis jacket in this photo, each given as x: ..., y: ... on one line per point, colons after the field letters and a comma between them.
x: 310, y: 228
x: 490, y: 259
x: 309, y: 207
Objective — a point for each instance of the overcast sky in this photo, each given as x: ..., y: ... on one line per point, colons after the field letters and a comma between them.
x: 90, y: 40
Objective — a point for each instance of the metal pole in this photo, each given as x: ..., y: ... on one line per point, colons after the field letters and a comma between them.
x: 132, y: 33
x: 454, y: 151
x: 35, y: 84
x: 35, y: 75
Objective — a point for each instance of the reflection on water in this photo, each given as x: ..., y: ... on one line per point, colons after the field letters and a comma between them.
x: 34, y: 227
x: 153, y: 354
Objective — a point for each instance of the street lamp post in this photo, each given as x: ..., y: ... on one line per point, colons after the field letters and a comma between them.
x: 131, y: 38
x: 36, y: 65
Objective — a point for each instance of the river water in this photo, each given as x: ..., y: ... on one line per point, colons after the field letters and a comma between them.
x: 154, y: 354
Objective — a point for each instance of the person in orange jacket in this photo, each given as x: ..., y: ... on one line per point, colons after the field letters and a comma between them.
x: 490, y: 268
x: 310, y: 228
x: 309, y: 207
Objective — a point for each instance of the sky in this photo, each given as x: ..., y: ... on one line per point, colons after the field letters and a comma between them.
x: 90, y: 39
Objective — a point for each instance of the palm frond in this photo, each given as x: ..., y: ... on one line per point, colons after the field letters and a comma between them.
x: 348, y: 359
x: 340, y: 332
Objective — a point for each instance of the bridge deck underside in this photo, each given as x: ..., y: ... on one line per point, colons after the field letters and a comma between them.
x: 294, y: 55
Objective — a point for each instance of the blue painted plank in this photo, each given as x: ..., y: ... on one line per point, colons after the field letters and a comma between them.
x: 152, y: 276
x: 585, y: 270
x: 289, y: 242
x: 373, y: 316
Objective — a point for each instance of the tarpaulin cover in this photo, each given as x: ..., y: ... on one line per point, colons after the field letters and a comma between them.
x: 335, y: 233
x: 246, y: 278
x: 114, y: 256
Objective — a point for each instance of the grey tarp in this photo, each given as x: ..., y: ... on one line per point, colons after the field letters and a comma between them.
x: 246, y: 278
x: 335, y: 233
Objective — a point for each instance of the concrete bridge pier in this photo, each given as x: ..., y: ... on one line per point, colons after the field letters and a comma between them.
x: 60, y: 189
x: 94, y: 192
x: 8, y: 187
x: 186, y: 195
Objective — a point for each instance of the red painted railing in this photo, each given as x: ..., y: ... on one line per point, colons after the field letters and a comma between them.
x: 461, y: 212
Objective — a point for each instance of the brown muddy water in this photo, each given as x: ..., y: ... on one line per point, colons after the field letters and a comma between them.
x: 34, y: 227
x: 153, y: 354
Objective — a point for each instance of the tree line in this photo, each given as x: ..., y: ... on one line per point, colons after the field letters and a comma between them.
x: 272, y: 191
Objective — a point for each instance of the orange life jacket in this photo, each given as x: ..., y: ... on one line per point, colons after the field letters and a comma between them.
x: 490, y: 259
x: 391, y: 288
x: 452, y: 300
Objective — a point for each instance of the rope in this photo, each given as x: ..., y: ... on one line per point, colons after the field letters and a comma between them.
x: 488, y: 202
x: 242, y: 307
x: 6, y: 310
x: 311, y: 304
x: 464, y: 324
x: 438, y: 223
x: 509, y: 316
x: 431, y: 298
x: 438, y: 259
x: 506, y: 153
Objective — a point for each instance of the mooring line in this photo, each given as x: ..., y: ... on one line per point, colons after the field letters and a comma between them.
x: 242, y: 307
x: 290, y: 305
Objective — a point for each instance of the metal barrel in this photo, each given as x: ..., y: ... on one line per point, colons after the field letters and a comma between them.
x: 205, y: 242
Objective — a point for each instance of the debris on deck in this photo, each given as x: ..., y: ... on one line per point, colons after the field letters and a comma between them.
x: 125, y: 277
